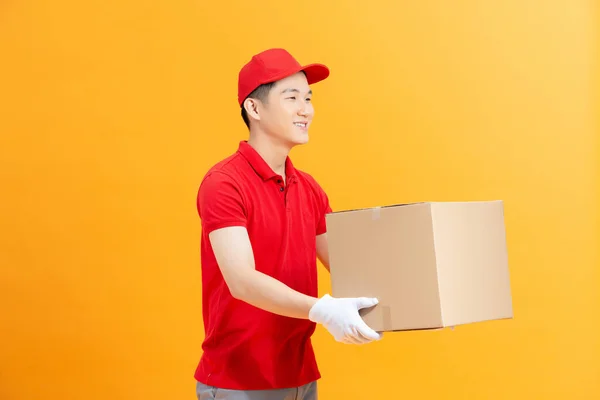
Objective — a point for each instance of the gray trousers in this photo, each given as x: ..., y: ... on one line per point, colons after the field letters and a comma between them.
x: 306, y: 392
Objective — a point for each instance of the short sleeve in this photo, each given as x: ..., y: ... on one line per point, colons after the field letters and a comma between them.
x: 220, y: 203
x: 324, y: 209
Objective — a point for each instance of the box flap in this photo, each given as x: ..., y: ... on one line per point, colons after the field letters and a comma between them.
x: 472, y: 261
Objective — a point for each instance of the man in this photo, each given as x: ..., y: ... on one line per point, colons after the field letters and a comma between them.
x: 263, y: 229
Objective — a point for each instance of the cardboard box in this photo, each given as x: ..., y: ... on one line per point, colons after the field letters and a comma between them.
x: 431, y: 265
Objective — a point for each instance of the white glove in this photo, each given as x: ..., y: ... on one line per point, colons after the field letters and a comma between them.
x: 341, y: 318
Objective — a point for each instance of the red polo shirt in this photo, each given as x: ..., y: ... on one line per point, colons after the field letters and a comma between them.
x: 246, y: 347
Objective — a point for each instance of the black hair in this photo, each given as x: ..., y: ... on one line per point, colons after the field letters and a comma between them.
x: 260, y: 93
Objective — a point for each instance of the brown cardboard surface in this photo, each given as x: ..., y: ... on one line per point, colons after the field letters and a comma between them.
x: 430, y: 264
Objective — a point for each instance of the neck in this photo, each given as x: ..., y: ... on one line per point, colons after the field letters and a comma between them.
x: 273, y: 154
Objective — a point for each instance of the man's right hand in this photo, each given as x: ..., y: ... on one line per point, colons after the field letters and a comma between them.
x: 340, y: 316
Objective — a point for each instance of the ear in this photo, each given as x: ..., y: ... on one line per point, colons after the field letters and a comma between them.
x: 251, y: 106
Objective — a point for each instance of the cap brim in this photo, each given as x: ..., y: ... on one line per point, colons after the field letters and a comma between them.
x: 315, y: 72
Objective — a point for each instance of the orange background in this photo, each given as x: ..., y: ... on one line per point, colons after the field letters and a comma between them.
x: 113, y: 110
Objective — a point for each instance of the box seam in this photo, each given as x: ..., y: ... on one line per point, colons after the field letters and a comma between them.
x: 437, y: 270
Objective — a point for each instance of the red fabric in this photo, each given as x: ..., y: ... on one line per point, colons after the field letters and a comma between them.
x: 245, y: 347
x: 272, y: 65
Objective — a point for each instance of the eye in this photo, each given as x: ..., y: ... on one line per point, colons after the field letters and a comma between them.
x: 308, y: 99
x: 292, y: 98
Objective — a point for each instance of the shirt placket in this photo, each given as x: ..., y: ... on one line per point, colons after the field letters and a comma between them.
x: 283, y: 190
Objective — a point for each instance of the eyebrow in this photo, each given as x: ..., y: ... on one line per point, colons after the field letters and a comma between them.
x: 294, y: 90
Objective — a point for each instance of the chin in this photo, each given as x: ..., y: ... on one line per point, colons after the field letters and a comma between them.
x: 294, y: 138
x: 303, y: 139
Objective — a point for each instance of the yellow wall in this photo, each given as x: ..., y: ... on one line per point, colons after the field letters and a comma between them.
x: 112, y: 111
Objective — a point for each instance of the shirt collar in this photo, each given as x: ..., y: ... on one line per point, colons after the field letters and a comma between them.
x: 261, y: 167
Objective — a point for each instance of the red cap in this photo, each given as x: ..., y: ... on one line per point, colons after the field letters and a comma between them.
x: 272, y: 65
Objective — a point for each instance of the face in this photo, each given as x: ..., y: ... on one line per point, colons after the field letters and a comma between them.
x: 288, y: 113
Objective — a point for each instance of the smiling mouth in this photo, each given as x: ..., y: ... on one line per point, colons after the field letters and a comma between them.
x: 301, y: 124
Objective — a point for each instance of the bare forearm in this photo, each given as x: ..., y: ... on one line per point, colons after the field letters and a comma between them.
x: 269, y: 294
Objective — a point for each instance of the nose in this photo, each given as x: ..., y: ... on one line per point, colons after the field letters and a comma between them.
x: 304, y: 110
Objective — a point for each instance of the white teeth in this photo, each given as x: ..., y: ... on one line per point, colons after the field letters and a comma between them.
x: 300, y: 124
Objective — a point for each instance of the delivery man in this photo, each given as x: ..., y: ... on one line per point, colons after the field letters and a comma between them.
x: 263, y: 228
